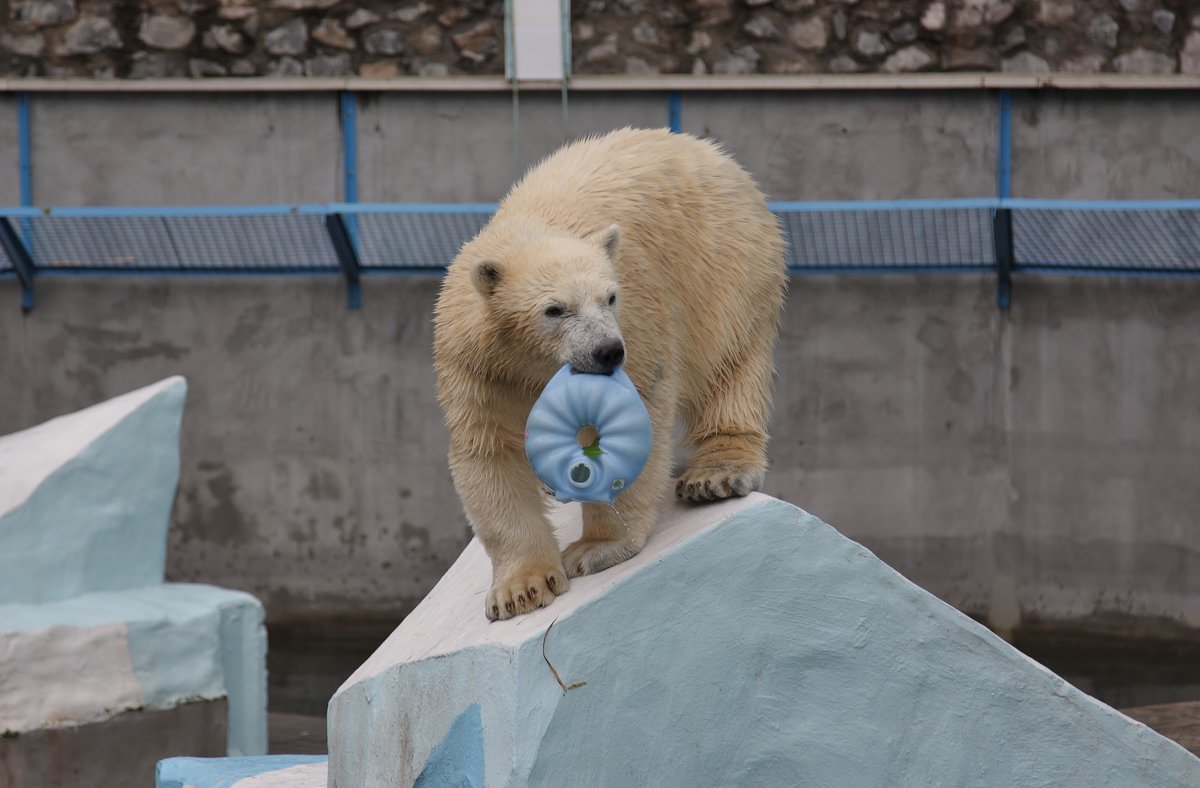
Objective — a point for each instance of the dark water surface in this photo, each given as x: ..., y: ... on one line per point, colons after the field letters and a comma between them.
x: 308, y: 662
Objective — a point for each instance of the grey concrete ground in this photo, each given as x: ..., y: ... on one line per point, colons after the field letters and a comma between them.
x: 1031, y: 464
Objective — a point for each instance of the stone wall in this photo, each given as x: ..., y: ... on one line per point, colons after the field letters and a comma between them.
x: 843, y: 36
x: 207, y: 38
x: 375, y: 38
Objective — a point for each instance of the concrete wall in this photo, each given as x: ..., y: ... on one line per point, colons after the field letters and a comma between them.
x: 416, y: 147
x: 10, y: 185
x: 1024, y: 465
x: 144, y: 150
x: 1106, y: 145
x: 1006, y: 462
x: 1034, y: 464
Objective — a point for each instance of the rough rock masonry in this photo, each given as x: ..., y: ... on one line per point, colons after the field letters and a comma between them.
x: 329, y: 38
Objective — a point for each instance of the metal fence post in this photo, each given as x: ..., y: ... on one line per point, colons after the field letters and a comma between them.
x: 21, y: 261
x: 1002, y: 237
x: 1002, y: 246
x: 339, y: 236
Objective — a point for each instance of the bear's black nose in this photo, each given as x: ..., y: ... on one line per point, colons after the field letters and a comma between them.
x: 609, y: 355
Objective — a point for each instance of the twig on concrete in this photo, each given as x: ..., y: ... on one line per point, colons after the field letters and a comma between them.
x: 565, y: 687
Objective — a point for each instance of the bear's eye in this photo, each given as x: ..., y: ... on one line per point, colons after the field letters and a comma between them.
x: 554, y: 311
x: 612, y: 299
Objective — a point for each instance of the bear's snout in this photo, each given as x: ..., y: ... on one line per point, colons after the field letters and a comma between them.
x: 608, y: 355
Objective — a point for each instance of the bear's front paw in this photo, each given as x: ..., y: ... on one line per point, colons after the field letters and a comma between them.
x: 528, y: 587
x: 713, y: 483
x: 588, y: 556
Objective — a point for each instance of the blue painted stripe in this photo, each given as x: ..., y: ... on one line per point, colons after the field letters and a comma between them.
x: 1117, y: 273
x: 250, y: 271
x: 183, y: 211
x: 24, y: 154
x: 159, y: 211
x: 408, y: 208
x: 1004, y: 143
x: 821, y: 206
x: 841, y: 270
x: 403, y: 270
x: 813, y: 206
x: 349, y: 107
x: 794, y: 270
x: 675, y: 111
x: 1102, y: 205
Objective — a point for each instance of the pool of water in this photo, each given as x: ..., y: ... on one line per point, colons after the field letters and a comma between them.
x: 308, y: 662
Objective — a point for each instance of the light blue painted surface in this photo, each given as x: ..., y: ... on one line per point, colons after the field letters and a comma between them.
x: 243, y: 644
x: 766, y: 650
x: 99, y: 521
x: 773, y: 651
x: 222, y: 772
x: 185, y: 642
x: 458, y: 761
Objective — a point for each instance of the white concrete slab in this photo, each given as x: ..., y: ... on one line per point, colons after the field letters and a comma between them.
x: 749, y: 644
x: 93, y: 657
x: 268, y: 771
x: 85, y: 498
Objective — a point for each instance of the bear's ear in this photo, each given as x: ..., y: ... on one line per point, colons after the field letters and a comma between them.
x: 486, y: 276
x: 609, y: 239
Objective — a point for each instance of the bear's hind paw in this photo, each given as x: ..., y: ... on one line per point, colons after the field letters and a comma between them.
x: 588, y: 556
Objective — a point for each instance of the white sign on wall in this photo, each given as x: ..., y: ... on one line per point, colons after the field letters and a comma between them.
x: 537, y: 39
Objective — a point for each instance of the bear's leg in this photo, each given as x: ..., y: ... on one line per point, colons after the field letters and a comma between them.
x: 610, y: 537
x: 728, y: 429
x: 507, y: 510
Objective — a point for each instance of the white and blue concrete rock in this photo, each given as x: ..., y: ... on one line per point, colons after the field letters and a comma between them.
x: 748, y: 644
x: 88, y: 628
x: 264, y: 771
x: 85, y: 499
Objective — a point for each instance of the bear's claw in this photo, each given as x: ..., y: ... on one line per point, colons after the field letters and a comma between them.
x: 524, y: 590
x: 711, y: 484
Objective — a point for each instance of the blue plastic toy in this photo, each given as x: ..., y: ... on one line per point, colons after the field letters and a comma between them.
x: 571, y: 402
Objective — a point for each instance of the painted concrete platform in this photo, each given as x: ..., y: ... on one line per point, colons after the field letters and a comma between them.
x: 264, y: 771
x: 749, y: 644
x: 86, y: 497
x: 83, y: 660
x: 90, y: 635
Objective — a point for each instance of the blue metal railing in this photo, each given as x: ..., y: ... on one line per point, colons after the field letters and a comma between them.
x: 982, y: 235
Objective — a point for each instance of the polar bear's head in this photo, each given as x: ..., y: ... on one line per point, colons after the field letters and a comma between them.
x: 555, y: 298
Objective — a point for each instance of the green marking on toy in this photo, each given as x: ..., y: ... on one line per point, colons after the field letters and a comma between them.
x: 593, y: 451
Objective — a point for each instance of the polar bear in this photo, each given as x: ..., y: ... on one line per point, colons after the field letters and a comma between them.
x: 641, y: 247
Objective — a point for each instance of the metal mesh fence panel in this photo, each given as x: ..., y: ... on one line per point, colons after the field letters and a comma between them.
x: 838, y: 237
x: 1148, y: 240
x: 240, y: 242
x: 413, y: 240
x: 888, y: 239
